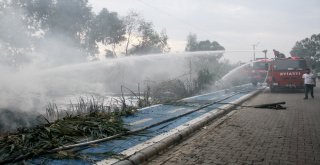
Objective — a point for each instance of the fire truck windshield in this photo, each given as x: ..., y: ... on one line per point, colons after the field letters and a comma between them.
x: 290, y: 65
x: 260, y: 65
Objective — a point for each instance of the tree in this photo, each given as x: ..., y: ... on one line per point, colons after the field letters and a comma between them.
x: 71, y: 23
x: 67, y: 22
x: 150, y: 41
x: 108, y: 29
x: 70, y: 18
x: 208, y: 69
x: 131, y: 21
x: 14, y: 37
x: 308, y: 48
x: 37, y: 12
x: 192, y: 43
x: 206, y: 45
x: 58, y: 17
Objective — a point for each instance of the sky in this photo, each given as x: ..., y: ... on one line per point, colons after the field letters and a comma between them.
x: 235, y: 24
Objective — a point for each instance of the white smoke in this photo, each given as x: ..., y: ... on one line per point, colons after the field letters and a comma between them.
x: 54, y: 68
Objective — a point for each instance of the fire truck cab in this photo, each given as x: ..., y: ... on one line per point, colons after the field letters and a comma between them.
x: 286, y: 73
x: 259, y: 69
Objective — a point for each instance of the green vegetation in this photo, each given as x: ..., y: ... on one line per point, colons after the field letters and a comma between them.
x: 151, y: 41
x: 206, y: 45
x: 26, y: 24
x: 203, y: 72
x: 309, y: 48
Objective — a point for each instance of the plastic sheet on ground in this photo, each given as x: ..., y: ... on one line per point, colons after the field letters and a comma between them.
x: 145, y: 117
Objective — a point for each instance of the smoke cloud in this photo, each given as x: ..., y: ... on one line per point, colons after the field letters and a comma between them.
x: 54, y: 68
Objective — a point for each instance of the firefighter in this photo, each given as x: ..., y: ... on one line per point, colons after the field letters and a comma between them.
x: 277, y: 54
x: 309, y: 83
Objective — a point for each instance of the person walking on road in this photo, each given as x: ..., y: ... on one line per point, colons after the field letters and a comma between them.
x: 309, y: 83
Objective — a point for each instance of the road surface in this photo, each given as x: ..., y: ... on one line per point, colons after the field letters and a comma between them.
x: 255, y: 136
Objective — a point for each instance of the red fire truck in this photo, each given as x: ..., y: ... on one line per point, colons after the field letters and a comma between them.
x: 286, y: 73
x: 259, y: 70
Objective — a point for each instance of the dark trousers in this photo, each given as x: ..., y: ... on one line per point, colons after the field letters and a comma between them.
x: 307, y: 88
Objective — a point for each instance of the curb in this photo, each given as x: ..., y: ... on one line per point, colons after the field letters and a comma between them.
x: 143, y: 155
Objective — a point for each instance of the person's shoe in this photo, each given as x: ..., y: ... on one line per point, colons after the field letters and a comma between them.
x: 305, y: 98
x: 312, y: 97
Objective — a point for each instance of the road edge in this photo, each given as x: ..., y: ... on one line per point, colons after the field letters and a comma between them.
x: 146, y: 153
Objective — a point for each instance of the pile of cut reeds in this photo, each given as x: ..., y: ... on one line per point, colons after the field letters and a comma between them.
x: 95, y: 121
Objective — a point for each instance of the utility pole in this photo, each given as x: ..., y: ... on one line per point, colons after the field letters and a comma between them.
x: 254, y: 50
x: 265, y: 53
x: 265, y: 59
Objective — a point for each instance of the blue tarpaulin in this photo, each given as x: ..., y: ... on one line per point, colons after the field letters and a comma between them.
x: 145, y: 117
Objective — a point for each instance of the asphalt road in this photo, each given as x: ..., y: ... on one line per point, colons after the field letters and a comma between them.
x: 256, y: 136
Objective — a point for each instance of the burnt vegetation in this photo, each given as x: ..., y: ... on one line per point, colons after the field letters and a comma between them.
x: 86, y: 120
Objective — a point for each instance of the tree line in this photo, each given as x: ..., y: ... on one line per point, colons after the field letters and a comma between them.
x: 26, y: 22
x: 309, y: 48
